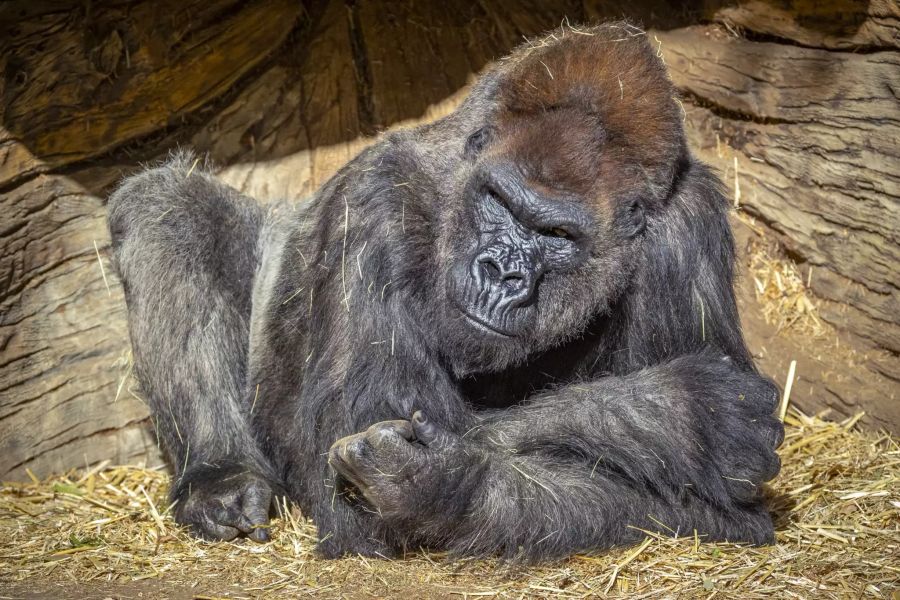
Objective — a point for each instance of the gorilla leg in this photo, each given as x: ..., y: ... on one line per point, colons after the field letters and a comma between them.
x: 185, y: 247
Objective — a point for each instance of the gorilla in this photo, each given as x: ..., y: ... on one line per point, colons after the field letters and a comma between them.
x: 509, y: 332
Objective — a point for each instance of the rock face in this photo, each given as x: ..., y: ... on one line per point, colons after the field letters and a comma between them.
x: 283, y: 93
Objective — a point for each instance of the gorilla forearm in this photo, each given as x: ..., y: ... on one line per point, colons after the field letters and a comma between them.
x: 697, y: 423
x: 478, y: 496
x: 680, y: 447
x: 535, y: 507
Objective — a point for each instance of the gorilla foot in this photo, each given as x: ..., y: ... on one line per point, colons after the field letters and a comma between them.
x: 223, y: 501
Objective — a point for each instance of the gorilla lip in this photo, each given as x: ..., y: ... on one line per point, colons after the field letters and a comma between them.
x: 482, y: 326
x: 477, y: 322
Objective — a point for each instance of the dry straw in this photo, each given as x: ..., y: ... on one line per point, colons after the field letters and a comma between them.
x: 106, y: 532
x: 783, y: 293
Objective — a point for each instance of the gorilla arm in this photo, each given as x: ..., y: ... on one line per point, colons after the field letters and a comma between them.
x: 585, y: 467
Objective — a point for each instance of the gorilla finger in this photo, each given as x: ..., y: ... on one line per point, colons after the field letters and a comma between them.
x: 764, y: 467
x: 257, y: 528
x: 347, y: 475
x: 769, y: 396
x: 223, y: 512
x: 347, y: 449
x: 244, y: 524
x: 260, y: 534
x: 741, y: 489
x: 772, y: 468
x: 390, y: 431
x: 210, y: 530
x: 257, y: 499
x: 426, y: 431
x: 255, y: 515
x: 345, y: 455
x: 774, y: 433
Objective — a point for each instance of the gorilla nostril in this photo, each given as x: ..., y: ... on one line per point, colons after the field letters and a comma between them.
x: 514, y: 282
x: 492, y: 270
x: 495, y: 274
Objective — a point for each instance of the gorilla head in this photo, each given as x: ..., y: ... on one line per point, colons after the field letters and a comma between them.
x: 569, y: 151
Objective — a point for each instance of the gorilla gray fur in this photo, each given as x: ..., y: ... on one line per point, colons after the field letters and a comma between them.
x: 525, y: 307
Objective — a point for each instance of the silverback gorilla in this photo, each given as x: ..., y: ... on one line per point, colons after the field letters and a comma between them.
x: 508, y: 332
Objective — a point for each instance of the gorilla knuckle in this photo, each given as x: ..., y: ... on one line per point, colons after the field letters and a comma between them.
x: 773, y: 467
x: 774, y: 433
x: 757, y: 395
x: 381, y: 435
x: 212, y: 531
x: 257, y: 491
x: 768, y: 395
x: 383, y: 439
x: 766, y: 463
x: 356, y: 449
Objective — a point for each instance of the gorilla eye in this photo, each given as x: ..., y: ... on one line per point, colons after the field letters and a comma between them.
x: 557, y: 232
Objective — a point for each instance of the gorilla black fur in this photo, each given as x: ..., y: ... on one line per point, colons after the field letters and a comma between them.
x: 511, y: 331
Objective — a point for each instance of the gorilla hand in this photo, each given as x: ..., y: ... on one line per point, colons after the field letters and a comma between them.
x: 221, y: 501
x: 413, y: 472
x: 740, y: 428
x: 700, y: 422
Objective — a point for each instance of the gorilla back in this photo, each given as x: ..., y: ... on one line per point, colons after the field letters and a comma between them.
x: 511, y: 331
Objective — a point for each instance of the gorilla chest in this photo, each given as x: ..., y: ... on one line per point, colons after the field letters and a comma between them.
x: 513, y: 385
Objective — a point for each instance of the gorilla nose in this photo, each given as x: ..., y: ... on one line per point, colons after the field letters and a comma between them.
x: 512, y: 277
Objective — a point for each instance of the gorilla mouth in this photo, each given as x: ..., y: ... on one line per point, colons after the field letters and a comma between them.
x: 465, y: 298
x: 482, y: 325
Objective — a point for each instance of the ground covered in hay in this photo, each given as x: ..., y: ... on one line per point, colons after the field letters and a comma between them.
x: 106, y: 533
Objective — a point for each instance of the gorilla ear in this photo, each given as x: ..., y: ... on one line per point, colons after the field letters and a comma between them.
x: 634, y: 217
x: 477, y: 141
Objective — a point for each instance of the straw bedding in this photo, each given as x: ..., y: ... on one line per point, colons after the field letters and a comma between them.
x: 837, y: 506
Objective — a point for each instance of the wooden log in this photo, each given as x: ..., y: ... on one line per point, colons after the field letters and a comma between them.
x: 65, y: 396
x: 834, y: 24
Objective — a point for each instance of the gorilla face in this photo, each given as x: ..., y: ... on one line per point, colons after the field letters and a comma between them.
x: 545, y: 235
x: 519, y: 234
x: 547, y: 180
